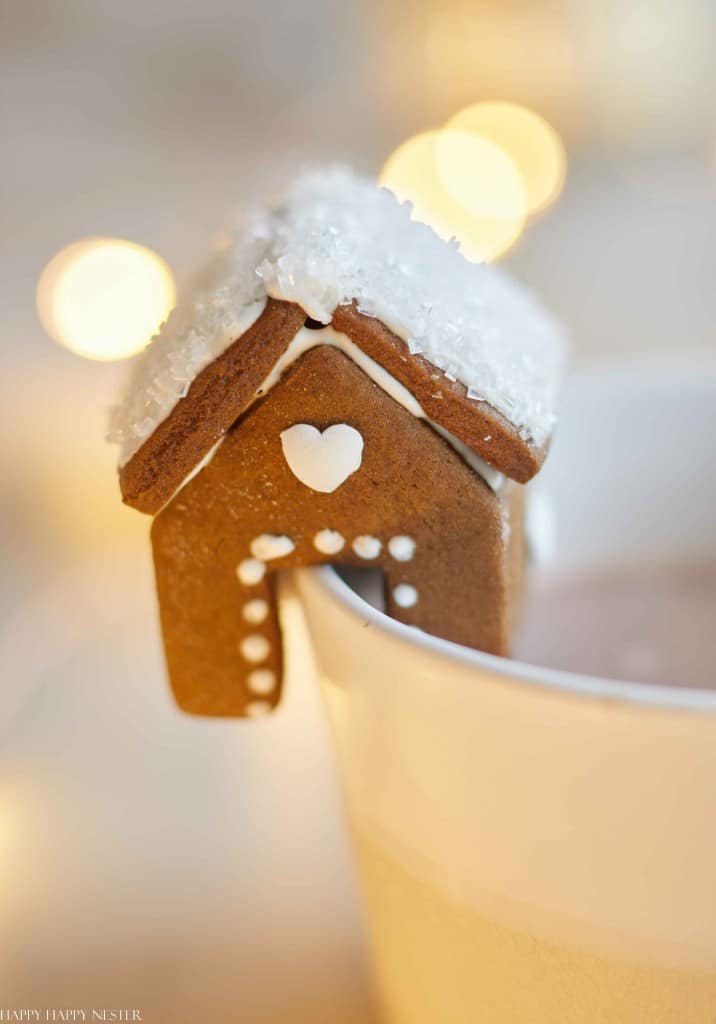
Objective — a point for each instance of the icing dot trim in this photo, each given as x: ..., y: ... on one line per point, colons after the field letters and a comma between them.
x: 401, y: 547
x: 255, y: 611
x: 251, y: 571
x: 270, y: 545
x: 255, y: 708
x: 261, y: 681
x: 329, y: 542
x: 366, y: 546
x: 255, y: 647
x: 405, y: 595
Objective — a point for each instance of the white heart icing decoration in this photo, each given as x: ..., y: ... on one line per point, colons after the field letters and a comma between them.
x: 322, y: 461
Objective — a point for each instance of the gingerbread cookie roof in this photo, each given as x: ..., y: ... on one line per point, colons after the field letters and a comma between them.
x: 338, y: 239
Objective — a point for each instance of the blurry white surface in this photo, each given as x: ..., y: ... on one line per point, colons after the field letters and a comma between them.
x: 631, y: 476
x: 195, y: 869
x: 557, y: 831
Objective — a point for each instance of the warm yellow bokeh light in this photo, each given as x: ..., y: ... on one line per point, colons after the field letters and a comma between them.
x: 485, y: 177
x: 479, y: 175
x: 533, y: 145
x: 104, y: 298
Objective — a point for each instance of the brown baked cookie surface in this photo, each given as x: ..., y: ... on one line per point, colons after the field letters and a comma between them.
x: 225, y: 388
x: 325, y: 468
x: 218, y: 395
x: 475, y: 423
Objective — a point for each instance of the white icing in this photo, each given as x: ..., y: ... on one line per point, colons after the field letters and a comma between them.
x: 401, y: 547
x: 261, y: 680
x: 492, y: 477
x: 338, y: 238
x: 307, y: 339
x: 366, y: 546
x: 405, y: 595
x: 255, y: 611
x: 329, y: 542
x: 322, y: 461
x: 251, y: 571
x: 198, y: 467
x: 255, y: 708
x: 268, y: 545
x: 255, y: 647
x: 193, y: 337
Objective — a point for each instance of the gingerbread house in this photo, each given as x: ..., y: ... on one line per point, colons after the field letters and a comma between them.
x: 342, y: 387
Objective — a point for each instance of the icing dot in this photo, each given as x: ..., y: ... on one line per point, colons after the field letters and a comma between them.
x: 269, y: 545
x: 251, y: 571
x: 402, y: 548
x: 257, y: 707
x: 329, y: 542
x: 366, y: 546
x: 255, y: 647
x: 255, y: 611
x: 261, y: 680
x: 405, y: 596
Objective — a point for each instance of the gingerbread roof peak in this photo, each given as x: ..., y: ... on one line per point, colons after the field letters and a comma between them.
x: 338, y: 238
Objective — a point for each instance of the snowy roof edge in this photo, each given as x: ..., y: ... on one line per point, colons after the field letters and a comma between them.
x: 320, y: 249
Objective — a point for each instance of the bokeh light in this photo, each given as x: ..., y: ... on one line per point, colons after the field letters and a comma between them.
x: 485, y: 206
x: 508, y: 49
x: 533, y: 145
x: 104, y: 298
x: 479, y: 175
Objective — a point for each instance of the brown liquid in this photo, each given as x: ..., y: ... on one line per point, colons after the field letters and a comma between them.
x: 648, y: 625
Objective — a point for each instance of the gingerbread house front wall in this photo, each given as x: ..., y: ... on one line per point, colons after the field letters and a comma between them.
x: 383, y: 490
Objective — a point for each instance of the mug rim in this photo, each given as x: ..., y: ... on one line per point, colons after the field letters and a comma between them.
x: 585, y: 686
x: 693, y: 367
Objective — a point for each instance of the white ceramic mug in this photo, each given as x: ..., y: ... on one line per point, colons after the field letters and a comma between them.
x: 538, y: 846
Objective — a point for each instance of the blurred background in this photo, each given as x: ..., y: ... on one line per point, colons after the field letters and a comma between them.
x: 178, y: 866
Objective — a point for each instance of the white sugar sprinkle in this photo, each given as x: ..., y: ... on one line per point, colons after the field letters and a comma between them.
x: 338, y: 238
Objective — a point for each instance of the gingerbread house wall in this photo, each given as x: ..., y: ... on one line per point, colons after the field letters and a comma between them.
x: 450, y: 577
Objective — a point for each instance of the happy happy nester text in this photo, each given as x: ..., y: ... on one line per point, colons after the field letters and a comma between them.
x: 70, y: 1015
